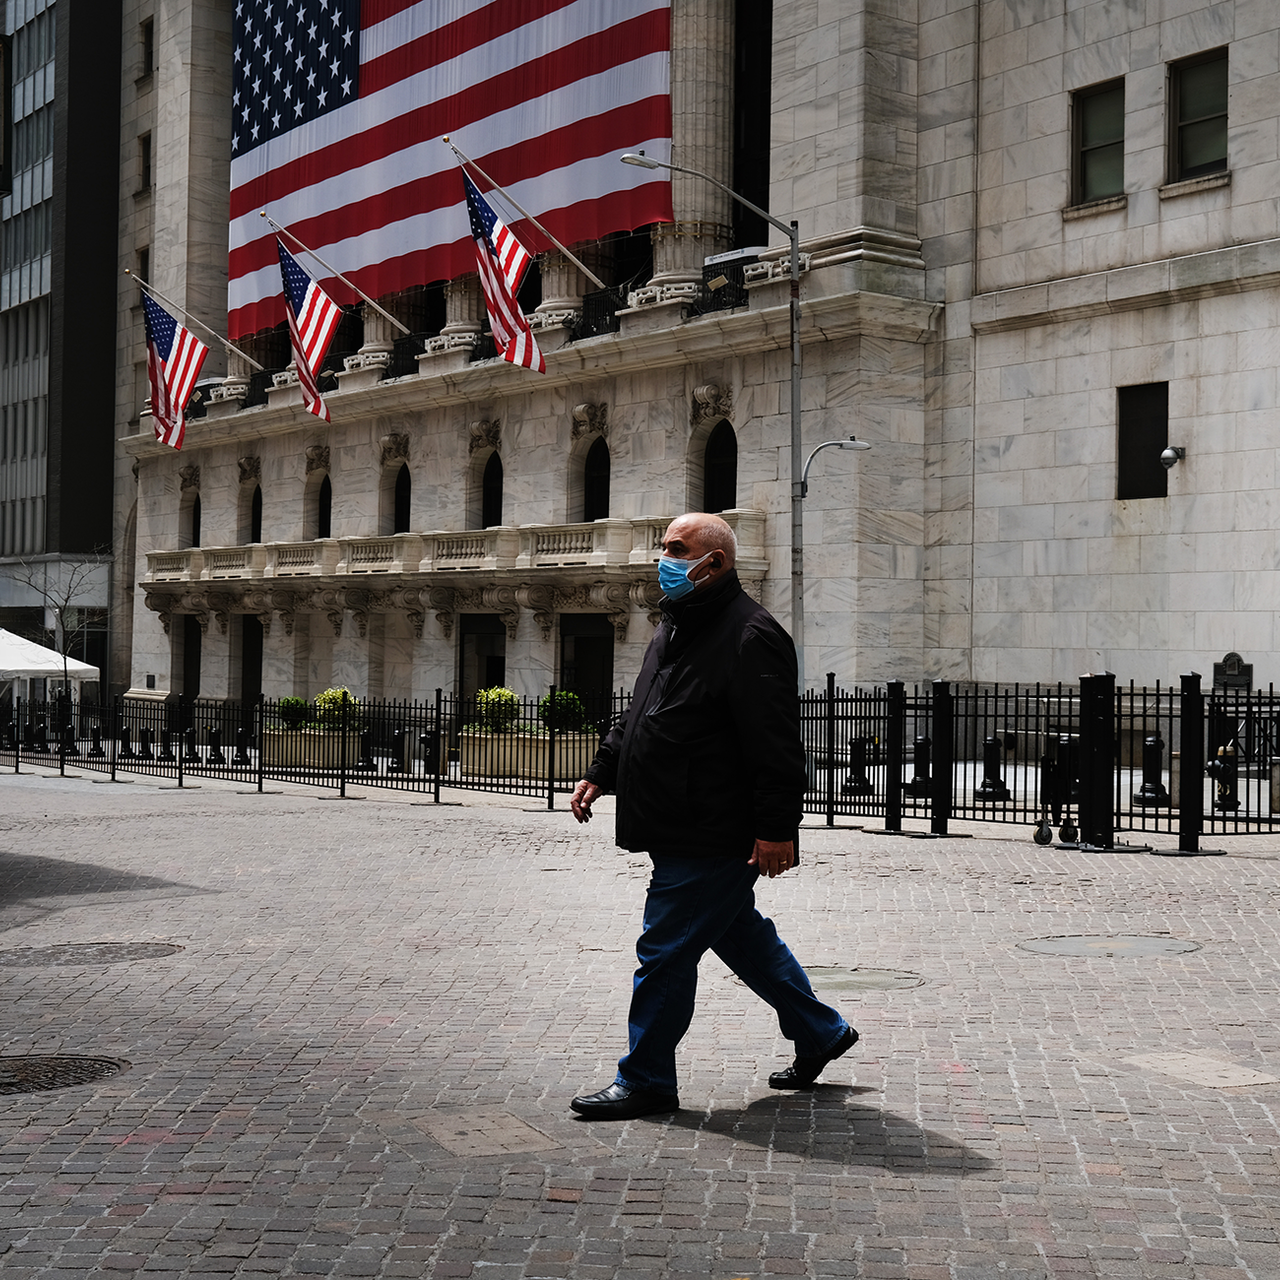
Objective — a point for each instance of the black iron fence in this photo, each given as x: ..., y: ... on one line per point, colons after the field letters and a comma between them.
x: 1086, y: 761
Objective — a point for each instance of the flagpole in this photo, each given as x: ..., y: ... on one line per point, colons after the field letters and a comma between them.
x: 217, y: 337
x: 577, y: 262
x: 333, y: 271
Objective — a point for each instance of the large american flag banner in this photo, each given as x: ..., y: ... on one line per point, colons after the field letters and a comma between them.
x: 502, y: 261
x: 174, y: 357
x: 313, y: 316
x: 340, y: 107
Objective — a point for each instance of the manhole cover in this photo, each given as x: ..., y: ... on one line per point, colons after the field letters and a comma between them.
x: 33, y: 1075
x: 1084, y: 945
x: 834, y: 978
x: 87, y: 953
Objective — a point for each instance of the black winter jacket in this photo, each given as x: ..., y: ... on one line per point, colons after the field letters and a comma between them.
x: 708, y: 757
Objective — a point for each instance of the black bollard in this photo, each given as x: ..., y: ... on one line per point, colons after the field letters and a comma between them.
x: 145, y: 740
x: 166, y: 747
x: 242, y: 747
x: 427, y: 746
x: 189, y: 754
x: 857, y: 783
x: 95, y: 741
x: 992, y: 787
x: 396, y: 763
x: 126, y: 751
x: 1152, y: 792
x: 920, y: 786
x: 42, y: 742
x: 215, y: 746
x: 69, y: 747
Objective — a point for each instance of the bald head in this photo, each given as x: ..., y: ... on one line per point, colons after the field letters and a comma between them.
x: 696, y: 534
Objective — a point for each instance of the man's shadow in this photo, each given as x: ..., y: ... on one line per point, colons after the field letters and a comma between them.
x: 830, y: 1122
x: 32, y: 886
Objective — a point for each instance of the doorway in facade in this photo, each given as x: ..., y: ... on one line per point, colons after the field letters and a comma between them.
x: 482, y: 656
x: 586, y: 659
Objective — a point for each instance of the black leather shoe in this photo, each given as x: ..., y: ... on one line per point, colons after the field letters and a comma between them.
x: 804, y: 1071
x: 622, y: 1102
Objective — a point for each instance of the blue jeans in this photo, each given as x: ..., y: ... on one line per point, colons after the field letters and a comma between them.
x: 705, y: 904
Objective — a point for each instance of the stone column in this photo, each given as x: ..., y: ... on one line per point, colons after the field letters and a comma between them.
x: 463, y: 306
x: 702, y: 127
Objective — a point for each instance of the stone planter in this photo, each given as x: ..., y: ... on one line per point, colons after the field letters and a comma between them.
x: 308, y: 748
x: 524, y: 755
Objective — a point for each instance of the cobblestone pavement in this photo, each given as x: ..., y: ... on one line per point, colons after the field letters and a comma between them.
x: 359, y: 1062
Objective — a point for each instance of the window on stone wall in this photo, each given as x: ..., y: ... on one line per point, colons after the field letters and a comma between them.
x: 1142, y: 434
x: 324, y: 509
x: 144, y: 162
x: 491, y: 493
x: 147, y: 39
x: 720, y: 469
x: 400, y: 511
x: 1098, y: 130
x: 255, y: 514
x: 595, y: 481
x: 1198, y: 116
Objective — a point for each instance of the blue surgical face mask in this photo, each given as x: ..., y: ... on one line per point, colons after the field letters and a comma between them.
x: 673, y: 575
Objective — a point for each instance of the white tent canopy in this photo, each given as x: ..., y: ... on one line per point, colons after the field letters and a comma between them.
x: 24, y: 660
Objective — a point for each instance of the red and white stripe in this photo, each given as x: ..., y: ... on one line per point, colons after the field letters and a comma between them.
x: 499, y: 279
x: 309, y: 335
x: 172, y: 382
x: 545, y: 94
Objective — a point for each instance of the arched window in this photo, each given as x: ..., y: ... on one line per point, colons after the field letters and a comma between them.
x: 491, y: 493
x: 720, y: 470
x: 255, y: 515
x: 595, y: 482
x: 400, y: 514
x: 324, y: 508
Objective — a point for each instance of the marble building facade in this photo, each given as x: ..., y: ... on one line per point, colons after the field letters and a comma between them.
x: 963, y: 310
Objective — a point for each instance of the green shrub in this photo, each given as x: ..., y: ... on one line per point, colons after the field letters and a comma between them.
x: 565, y: 715
x: 497, y: 709
x: 329, y: 708
x: 293, y: 712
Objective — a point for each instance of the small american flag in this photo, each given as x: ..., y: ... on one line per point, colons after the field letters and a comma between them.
x: 502, y: 261
x: 174, y: 357
x: 313, y: 317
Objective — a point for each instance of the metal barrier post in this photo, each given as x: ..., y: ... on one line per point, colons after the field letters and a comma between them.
x: 1190, y: 797
x: 17, y: 735
x: 551, y: 750
x: 831, y: 748
x: 115, y: 724
x: 182, y: 722
x: 342, y: 748
x: 1097, y: 759
x: 440, y: 743
x: 259, y: 724
x: 894, y: 739
x: 943, y: 769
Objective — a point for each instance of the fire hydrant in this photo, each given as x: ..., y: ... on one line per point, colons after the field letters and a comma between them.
x: 1224, y: 771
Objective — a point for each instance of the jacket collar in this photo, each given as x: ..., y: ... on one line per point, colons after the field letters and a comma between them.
x: 702, y: 604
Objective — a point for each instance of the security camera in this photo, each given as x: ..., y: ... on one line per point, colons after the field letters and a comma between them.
x: 1171, y: 456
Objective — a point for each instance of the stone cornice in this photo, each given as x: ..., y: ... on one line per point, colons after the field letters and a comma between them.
x: 823, y: 318
x: 1216, y: 272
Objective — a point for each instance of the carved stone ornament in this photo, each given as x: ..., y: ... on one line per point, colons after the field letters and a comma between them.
x: 317, y: 458
x: 483, y: 435
x: 540, y: 601
x: 250, y: 469
x: 134, y: 468
x: 189, y: 476
x: 711, y: 402
x: 395, y: 448
x: 590, y: 419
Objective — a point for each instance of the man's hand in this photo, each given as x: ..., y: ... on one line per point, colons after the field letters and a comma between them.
x: 584, y: 795
x: 773, y: 857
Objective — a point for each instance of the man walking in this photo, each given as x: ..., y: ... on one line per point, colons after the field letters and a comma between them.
x: 709, y: 770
